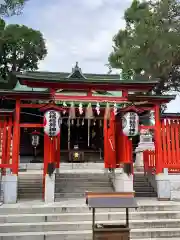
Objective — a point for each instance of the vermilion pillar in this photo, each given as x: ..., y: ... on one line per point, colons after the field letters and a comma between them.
x: 16, y: 138
x: 57, y: 147
x: 8, y: 156
x: 106, y: 163
x: 158, y: 143
x: 112, y: 141
x: 4, y: 141
x: 46, y: 152
x: 109, y: 142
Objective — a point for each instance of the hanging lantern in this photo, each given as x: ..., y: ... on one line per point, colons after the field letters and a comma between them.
x: 115, y: 109
x: 35, y: 142
x: 80, y: 109
x: 130, y: 124
x: 35, y: 139
x: 98, y: 108
x: 52, y: 121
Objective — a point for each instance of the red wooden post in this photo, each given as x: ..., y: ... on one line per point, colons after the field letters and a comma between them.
x: 9, y: 140
x: 111, y: 139
x: 119, y: 138
x: 46, y: 159
x: 58, y: 151
x: 173, y: 146
x: 158, y: 142
x: 16, y: 138
x: 177, y: 140
x: 106, y: 165
x: 4, y: 140
x: 46, y: 152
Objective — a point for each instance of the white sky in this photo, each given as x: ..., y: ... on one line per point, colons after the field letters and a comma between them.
x: 77, y: 30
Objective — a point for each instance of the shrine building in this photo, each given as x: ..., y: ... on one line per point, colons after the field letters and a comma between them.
x: 54, y: 118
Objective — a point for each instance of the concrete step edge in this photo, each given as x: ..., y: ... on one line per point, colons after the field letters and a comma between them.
x: 87, y: 213
x: 83, y: 232
x: 89, y: 222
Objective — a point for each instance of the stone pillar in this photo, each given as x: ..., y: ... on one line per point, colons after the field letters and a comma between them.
x: 145, y: 143
x: 121, y: 181
x: 163, y: 186
x: 49, y: 188
x: 9, y: 187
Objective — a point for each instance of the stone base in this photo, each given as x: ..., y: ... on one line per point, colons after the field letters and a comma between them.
x: 122, y: 182
x: 49, y: 188
x: 163, y: 187
x: 167, y: 185
x: 9, y: 187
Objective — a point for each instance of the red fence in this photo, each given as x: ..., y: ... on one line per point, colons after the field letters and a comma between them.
x: 168, y: 151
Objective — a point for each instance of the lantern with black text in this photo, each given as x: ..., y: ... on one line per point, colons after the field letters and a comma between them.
x: 35, y: 139
x: 52, y: 120
x: 35, y: 142
x: 130, y: 124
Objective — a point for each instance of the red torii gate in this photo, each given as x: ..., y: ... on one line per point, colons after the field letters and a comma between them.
x: 117, y: 147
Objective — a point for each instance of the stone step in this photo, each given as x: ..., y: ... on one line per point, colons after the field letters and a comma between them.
x: 82, y: 235
x: 140, y: 183
x: 79, y: 206
x: 144, y: 189
x: 145, y: 194
x: 30, y: 196
x: 140, y: 180
x: 58, y: 189
x: 83, y: 175
x: 100, y: 216
x: 82, y: 184
x: 30, y: 190
x: 30, y: 180
x: 29, y: 187
x: 78, y: 180
x: 87, y: 225
x: 71, y: 195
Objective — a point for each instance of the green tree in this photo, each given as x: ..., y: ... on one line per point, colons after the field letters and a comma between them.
x: 150, y: 42
x: 21, y: 48
x: 11, y: 7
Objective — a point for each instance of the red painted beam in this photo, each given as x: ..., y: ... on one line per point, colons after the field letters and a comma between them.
x: 90, y: 98
x: 33, y: 105
x: 87, y: 86
x: 31, y: 125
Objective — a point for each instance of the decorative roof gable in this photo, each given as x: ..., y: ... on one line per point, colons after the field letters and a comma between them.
x: 76, y: 73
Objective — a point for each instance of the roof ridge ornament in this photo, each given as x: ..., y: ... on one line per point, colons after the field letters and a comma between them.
x: 76, y: 72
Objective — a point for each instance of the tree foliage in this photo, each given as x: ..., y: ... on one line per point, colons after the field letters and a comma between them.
x: 21, y: 48
x: 11, y: 7
x: 150, y: 42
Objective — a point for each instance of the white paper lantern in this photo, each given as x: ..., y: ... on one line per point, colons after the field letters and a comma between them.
x: 130, y: 124
x: 35, y: 140
x: 52, y: 122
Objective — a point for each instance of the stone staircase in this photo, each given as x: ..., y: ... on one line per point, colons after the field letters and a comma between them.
x: 71, y: 220
x: 142, y: 187
x: 74, y: 185
x: 30, y: 185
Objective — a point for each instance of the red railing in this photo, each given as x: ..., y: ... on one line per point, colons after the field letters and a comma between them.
x: 167, y: 149
x: 150, y: 163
